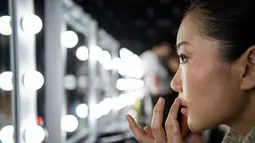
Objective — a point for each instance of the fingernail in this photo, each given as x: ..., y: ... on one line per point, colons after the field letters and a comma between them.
x: 160, y: 101
x: 175, y: 127
x: 128, y: 118
x: 177, y: 101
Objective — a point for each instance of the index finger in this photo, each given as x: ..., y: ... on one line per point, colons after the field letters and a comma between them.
x: 139, y: 135
x: 173, y: 113
x: 172, y: 125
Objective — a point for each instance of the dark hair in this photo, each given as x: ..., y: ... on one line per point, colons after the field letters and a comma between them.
x: 229, y: 21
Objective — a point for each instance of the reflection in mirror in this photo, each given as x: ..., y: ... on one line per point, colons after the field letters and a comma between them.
x: 6, y: 86
x: 112, y: 69
x: 75, y: 81
x: 76, y: 40
x: 123, y: 88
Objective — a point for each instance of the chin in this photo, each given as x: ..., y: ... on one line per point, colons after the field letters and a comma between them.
x: 197, y: 126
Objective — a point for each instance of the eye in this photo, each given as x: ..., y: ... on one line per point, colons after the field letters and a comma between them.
x: 183, y: 58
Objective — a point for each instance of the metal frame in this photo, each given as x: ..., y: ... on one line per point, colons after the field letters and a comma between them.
x: 82, y: 22
x: 22, y: 60
x: 74, y: 16
x: 55, y: 57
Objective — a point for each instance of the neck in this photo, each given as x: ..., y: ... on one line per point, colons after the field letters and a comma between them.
x: 246, y: 121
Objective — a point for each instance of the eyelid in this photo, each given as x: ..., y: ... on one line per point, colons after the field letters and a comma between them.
x: 185, y: 58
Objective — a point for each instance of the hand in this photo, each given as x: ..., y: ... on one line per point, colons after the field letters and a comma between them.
x: 155, y: 133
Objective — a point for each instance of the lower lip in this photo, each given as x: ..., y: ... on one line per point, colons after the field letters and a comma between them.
x: 184, y: 111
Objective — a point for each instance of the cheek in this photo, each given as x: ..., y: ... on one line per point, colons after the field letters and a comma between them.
x: 210, y: 93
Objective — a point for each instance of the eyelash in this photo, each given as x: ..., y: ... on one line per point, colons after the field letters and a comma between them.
x: 183, y: 58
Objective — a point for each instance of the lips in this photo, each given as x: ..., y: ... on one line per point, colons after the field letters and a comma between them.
x: 184, y: 111
x: 184, y: 108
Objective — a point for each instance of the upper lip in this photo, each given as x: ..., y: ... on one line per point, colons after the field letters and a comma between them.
x: 183, y: 103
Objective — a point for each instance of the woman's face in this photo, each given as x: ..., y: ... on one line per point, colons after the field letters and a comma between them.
x: 209, y: 87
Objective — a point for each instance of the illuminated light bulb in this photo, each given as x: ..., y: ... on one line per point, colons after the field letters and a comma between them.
x: 106, y: 60
x: 5, y: 25
x: 125, y: 84
x: 105, y: 106
x: 70, y: 82
x: 69, y: 123
x: 6, y: 134
x: 33, y: 80
x: 35, y: 134
x: 6, y: 81
x: 31, y: 24
x: 82, y: 53
x: 82, y: 81
x: 126, y: 55
x: 69, y: 39
x: 95, y: 53
x: 82, y: 111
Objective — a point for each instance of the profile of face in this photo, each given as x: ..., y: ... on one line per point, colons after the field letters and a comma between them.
x: 211, y: 89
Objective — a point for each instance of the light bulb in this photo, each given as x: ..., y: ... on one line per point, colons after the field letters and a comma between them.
x: 33, y: 80
x: 82, y: 111
x: 6, y: 81
x: 70, y: 82
x: 126, y: 55
x: 6, y: 134
x: 126, y: 84
x: 69, y: 123
x: 106, y: 60
x: 5, y: 25
x: 69, y: 39
x: 35, y: 134
x: 82, y: 53
x: 31, y: 24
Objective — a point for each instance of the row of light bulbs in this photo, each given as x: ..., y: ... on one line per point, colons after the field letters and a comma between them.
x: 31, y: 24
x: 33, y: 134
x: 36, y: 133
x: 69, y: 123
x: 33, y: 80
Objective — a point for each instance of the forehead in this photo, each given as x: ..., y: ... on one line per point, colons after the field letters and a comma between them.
x: 189, y: 33
x: 188, y: 30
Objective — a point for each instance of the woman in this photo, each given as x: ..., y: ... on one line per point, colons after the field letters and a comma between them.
x: 216, y: 76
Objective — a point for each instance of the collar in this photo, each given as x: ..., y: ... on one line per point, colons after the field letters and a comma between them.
x: 233, y: 137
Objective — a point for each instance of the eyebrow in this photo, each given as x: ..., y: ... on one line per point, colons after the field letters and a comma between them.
x: 178, y: 45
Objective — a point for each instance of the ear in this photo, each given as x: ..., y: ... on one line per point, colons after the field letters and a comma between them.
x: 248, y: 70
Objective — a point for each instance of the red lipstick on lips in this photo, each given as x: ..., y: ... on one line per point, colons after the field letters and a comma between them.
x: 184, y: 108
x: 184, y: 111
x: 183, y: 120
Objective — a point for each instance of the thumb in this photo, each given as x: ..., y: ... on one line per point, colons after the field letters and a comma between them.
x: 194, y: 138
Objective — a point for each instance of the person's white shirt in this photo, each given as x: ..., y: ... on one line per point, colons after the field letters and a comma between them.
x: 153, y: 67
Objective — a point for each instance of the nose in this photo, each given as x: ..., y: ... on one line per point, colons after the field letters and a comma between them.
x: 176, y: 83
